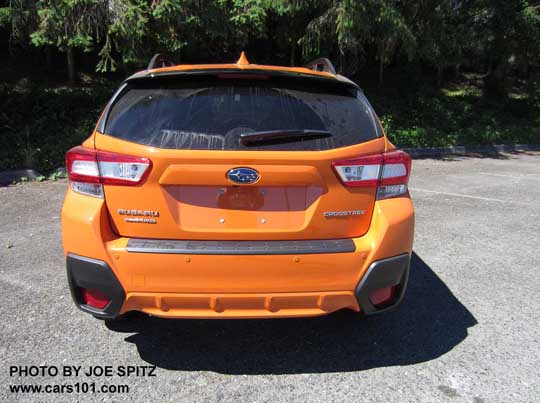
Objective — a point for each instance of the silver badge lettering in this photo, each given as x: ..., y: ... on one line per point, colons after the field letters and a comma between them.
x: 330, y: 214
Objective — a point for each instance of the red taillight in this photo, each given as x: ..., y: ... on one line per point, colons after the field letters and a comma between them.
x: 82, y: 165
x: 89, y: 169
x: 383, y: 296
x: 396, y: 168
x: 388, y: 172
x: 94, y: 298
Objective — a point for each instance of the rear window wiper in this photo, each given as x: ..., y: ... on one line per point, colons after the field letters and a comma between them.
x: 282, y: 135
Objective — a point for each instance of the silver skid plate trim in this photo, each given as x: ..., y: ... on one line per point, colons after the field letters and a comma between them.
x: 192, y: 247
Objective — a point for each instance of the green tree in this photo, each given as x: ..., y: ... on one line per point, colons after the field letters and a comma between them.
x: 391, y: 33
x: 356, y: 26
x: 512, y: 37
x: 443, y: 31
x: 528, y: 37
x: 69, y: 25
x: 19, y: 19
x: 491, y: 35
x: 139, y: 28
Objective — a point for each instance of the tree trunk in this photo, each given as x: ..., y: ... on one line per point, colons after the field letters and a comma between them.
x: 71, y: 65
x: 381, y: 71
x: 524, y: 66
x: 293, y: 53
x: 381, y: 52
x: 48, y: 57
x: 489, y: 66
x: 439, y: 75
x: 495, y: 83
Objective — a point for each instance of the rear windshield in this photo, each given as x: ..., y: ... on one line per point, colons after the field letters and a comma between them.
x: 213, y: 115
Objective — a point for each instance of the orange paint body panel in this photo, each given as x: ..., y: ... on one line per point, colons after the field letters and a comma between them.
x: 189, y: 197
x: 192, y: 194
x: 190, y: 284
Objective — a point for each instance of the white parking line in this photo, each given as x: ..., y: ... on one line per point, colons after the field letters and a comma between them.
x: 524, y: 176
x: 469, y: 196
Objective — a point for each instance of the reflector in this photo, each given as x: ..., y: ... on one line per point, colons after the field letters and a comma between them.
x: 95, y: 298
x: 382, y: 295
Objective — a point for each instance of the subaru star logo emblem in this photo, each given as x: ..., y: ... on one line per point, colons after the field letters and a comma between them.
x: 243, y: 175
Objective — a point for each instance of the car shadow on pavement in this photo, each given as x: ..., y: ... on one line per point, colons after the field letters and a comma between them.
x: 429, y: 323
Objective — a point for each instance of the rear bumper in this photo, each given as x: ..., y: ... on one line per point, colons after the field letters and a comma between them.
x: 84, y: 272
x: 391, y: 272
x: 96, y: 274
x: 185, y: 282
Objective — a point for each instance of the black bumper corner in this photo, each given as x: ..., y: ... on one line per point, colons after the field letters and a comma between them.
x: 389, y: 272
x: 85, y: 272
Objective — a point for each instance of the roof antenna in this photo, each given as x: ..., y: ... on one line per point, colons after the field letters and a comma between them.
x: 242, y: 59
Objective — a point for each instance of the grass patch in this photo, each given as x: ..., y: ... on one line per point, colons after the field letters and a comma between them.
x: 459, y: 114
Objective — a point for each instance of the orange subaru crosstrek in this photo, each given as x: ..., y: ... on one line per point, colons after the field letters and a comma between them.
x: 237, y: 191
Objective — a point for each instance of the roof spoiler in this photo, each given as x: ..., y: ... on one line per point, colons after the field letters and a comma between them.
x: 321, y: 64
x: 160, y: 60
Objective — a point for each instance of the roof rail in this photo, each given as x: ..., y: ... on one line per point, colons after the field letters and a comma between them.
x: 321, y: 64
x: 160, y: 60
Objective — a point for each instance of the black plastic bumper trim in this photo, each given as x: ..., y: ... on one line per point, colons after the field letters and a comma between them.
x: 138, y: 245
x: 85, y: 272
x: 389, y: 272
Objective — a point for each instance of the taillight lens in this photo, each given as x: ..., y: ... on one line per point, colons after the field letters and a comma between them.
x: 388, y: 172
x: 89, y: 170
x: 122, y: 170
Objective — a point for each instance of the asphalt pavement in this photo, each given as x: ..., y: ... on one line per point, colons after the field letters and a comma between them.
x: 467, y: 330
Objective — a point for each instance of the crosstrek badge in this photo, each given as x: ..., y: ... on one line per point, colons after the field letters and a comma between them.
x: 330, y: 214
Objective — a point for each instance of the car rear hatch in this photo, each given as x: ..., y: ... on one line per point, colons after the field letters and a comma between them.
x: 239, y: 157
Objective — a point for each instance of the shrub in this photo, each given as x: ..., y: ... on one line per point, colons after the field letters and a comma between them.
x: 39, y: 124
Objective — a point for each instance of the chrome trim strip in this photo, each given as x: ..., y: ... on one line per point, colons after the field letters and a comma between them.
x: 194, y: 247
